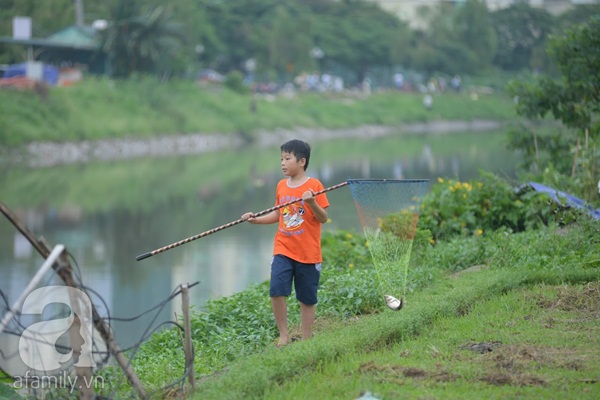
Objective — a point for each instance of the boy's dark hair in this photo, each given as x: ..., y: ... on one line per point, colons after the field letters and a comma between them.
x: 298, y: 148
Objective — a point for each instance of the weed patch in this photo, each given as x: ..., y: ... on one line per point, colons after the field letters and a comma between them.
x: 513, y: 380
x: 585, y: 299
x: 396, y: 373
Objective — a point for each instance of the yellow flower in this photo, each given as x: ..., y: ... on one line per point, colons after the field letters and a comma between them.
x: 431, y: 240
x: 478, y: 232
x: 351, y: 265
x: 440, y: 180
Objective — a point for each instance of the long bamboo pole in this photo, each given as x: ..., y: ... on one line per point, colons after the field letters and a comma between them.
x: 230, y: 224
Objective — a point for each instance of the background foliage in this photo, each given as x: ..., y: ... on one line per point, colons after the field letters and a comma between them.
x: 573, y: 98
x: 358, y: 39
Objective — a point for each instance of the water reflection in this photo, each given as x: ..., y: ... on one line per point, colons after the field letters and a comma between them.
x: 152, y: 204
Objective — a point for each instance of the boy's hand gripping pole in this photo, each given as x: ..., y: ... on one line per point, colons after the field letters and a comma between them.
x: 230, y: 224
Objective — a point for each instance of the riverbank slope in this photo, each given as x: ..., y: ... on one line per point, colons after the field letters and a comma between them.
x: 100, y: 109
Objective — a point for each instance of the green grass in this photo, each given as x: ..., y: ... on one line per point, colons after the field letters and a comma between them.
x: 542, y: 343
x: 533, y: 292
x: 99, y: 108
x: 372, y: 352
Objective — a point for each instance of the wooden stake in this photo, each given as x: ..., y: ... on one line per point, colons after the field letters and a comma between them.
x: 587, y: 135
x: 66, y: 275
x: 575, y: 158
x: 537, y: 154
x: 188, y: 348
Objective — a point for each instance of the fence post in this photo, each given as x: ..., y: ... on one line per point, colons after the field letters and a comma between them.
x: 64, y: 272
x: 188, y: 348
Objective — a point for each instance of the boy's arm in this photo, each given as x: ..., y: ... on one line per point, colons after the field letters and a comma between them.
x: 269, y: 218
x: 319, y: 212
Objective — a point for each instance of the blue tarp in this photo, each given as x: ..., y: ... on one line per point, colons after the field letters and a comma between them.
x: 561, y: 197
x: 50, y: 73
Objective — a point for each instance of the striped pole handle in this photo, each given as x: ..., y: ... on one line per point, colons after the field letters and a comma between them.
x: 230, y: 224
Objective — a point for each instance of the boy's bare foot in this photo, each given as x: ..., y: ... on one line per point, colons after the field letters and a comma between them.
x: 282, y: 342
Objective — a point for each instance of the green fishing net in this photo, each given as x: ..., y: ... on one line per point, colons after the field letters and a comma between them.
x: 389, y: 211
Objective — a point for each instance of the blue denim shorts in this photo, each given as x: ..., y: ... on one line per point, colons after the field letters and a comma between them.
x: 306, y: 277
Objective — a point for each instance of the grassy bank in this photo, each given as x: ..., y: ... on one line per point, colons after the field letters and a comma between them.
x: 521, y: 344
x: 499, y: 289
x: 100, y: 108
x: 430, y: 349
x: 423, y: 349
x: 506, y: 316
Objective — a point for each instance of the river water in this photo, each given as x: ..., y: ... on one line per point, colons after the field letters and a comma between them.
x: 107, y: 213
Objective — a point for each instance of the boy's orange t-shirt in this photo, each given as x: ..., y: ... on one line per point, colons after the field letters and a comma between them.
x: 299, y: 232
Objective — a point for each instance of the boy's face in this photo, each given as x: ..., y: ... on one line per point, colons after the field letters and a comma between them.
x: 290, y: 165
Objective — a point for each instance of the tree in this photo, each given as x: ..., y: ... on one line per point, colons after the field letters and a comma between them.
x: 573, y: 98
x: 357, y: 35
x: 201, y: 43
x: 472, y: 28
x: 140, y: 40
x: 580, y: 14
x: 522, y: 32
x: 458, y: 39
x: 289, y: 42
x: 239, y: 25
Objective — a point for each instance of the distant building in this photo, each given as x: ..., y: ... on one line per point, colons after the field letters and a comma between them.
x: 408, y: 10
x: 76, y: 45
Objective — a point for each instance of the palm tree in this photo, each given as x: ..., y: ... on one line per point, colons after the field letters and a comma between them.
x: 140, y: 41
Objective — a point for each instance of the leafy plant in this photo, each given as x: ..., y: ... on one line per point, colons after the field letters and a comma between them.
x: 573, y: 99
x: 402, y: 225
x: 234, y: 81
x: 472, y: 208
x: 343, y: 249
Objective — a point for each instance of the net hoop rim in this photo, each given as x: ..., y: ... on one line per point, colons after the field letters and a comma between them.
x: 387, y: 180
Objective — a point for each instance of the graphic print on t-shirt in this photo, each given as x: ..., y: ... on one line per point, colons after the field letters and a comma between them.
x: 293, y: 216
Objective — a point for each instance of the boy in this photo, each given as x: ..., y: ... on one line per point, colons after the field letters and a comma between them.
x: 297, y: 245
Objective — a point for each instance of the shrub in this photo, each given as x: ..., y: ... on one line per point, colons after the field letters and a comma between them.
x: 402, y: 224
x: 472, y: 208
x: 235, y: 82
x: 343, y: 249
